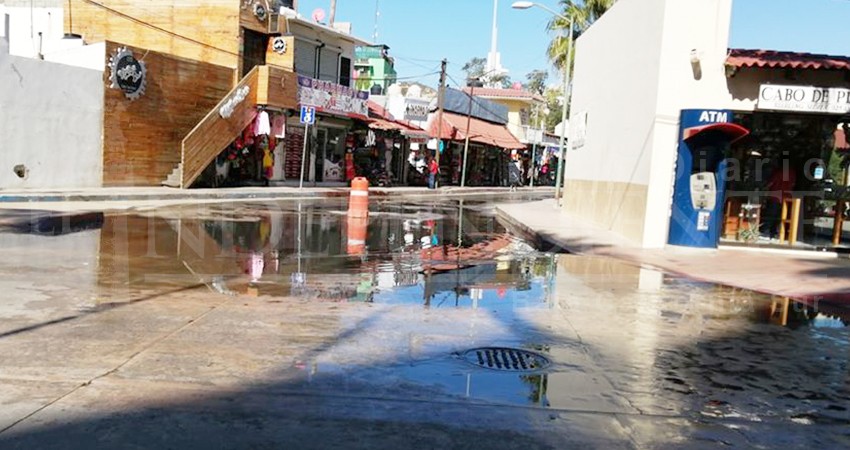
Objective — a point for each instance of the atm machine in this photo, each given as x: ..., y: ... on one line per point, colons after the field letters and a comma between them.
x: 699, y: 191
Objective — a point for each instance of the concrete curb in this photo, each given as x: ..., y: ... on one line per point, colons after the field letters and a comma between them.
x: 224, y: 194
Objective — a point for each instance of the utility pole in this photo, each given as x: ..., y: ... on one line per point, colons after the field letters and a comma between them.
x: 466, y: 143
x: 534, y: 147
x: 441, y: 97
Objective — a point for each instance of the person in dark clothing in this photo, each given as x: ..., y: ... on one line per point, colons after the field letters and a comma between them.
x: 780, y: 186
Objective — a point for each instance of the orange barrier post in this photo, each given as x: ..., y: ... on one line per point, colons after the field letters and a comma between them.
x: 357, y: 229
x: 358, y: 201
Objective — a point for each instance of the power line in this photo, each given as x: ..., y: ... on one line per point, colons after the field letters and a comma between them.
x: 413, y: 62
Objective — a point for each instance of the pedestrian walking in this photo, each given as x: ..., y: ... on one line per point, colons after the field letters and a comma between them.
x: 433, y: 170
x: 515, y: 173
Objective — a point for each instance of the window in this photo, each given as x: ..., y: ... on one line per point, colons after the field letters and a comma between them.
x: 345, y: 71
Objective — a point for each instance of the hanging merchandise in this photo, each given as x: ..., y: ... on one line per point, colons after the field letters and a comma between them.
x: 279, y: 126
x: 293, y: 148
x: 263, y: 127
x: 370, y: 139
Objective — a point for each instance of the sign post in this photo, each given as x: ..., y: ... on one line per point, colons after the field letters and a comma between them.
x: 308, y: 117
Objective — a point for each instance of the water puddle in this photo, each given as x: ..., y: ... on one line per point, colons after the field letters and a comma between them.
x: 429, y: 280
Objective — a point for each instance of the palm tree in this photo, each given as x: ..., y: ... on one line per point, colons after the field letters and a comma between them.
x: 584, y: 13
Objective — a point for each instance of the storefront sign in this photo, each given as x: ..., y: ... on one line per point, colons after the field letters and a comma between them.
x: 127, y: 73
x: 260, y: 11
x: 578, y: 131
x: 804, y: 99
x: 332, y: 97
x: 415, y: 109
x: 230, y: 105
x: 279, y: 45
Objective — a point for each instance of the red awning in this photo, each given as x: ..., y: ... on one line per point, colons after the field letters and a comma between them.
x: 480, y: 131
x: 733, y: 131
x: 785, y: 60
x: 386, y: 125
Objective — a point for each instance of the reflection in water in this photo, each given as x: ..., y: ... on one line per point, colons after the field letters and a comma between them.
x: 422, y: 255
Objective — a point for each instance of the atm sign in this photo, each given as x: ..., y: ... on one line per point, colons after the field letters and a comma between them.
x: 714, y: 117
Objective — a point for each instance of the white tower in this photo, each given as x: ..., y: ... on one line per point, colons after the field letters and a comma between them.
x: 494, y: 59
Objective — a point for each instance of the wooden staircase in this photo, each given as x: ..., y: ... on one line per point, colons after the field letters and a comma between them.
x: 175, y: 177
x: 218, y: 129
x: 264, y: 85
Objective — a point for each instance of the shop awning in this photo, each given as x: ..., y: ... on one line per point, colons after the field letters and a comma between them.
x: 482, y: 132
x: 771, y: 59
x: 381, y: 119
x: 733, y: 131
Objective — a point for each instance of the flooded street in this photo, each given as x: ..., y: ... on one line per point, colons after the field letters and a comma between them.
x: 430, y: 325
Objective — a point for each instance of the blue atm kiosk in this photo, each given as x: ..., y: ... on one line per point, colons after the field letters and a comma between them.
x: 704, y: 140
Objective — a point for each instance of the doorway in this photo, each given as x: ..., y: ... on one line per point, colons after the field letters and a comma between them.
x: 785, y: 183
x: 254, y: 46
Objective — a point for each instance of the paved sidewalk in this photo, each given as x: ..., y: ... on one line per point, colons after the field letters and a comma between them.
x: 123, y: 194
x: 801, y: 275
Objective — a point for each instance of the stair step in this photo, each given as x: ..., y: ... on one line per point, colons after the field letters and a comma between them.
x: 175, y: 177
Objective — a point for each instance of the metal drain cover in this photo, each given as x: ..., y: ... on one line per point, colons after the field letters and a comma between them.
x: 506, y: 359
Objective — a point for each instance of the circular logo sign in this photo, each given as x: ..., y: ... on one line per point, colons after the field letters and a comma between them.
x: 128, y: 74
x: 260, y: 11
x: 279, y: 45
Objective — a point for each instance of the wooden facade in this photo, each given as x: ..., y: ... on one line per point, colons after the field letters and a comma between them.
x: 278, y: 88
x: 285, y: 60
x: 196, y: 53
x: 142, y: 138
x: 206, y: 30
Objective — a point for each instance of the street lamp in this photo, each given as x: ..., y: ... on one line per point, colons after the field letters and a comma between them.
x: 559, y: 175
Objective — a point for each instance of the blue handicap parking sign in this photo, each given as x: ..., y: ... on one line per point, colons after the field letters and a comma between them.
x: 308, y: 115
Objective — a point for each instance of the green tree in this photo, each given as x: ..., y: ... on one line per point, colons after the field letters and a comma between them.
x: 502, y: 80
x: 537, y: 81
x: 474, y: 68
x: 584, y: 13
x: 553, y: 99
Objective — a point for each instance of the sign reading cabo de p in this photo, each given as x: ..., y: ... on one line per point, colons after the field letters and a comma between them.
x: 804, y: 99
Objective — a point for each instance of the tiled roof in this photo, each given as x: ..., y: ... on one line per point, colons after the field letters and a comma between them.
x: 487, y: 133
x: 785, y: 60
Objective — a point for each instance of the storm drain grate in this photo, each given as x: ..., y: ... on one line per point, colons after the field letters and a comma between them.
x: 507, y: 359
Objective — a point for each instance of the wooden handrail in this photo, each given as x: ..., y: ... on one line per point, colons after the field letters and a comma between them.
x: 221, y: 126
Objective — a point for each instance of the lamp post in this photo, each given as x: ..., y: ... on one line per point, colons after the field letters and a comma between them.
x: 559, y: 175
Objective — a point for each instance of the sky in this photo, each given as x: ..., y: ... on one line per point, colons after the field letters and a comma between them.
x: 421, y: 33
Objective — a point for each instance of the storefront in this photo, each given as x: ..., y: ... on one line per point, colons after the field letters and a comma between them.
x: 756, y: 161
x: 333, y: 142
x: 787, y: 183
x: 490, y: 146
x: 394, y: 143
x: 271, y: 150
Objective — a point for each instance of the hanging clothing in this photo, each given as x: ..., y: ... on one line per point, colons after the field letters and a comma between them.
x: 279, y: 126
x: 257, y: 264
x: 263, y: 126
x: 268, y: 164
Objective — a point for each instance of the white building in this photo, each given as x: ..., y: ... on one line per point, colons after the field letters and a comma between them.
x: 48, y: 108
x: 633, y: 78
